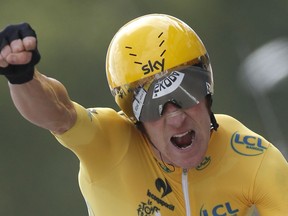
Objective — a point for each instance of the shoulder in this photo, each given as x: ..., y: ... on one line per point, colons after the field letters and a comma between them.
x: 229, y: 124
x: 102, y: 115
x: 103, y: 123
x: 241, y: 139
x: 226, y: 120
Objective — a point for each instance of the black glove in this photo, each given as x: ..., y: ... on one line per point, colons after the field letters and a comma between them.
x: 18, y: 74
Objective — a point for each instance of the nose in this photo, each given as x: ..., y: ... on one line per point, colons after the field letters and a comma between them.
x: 174, y: 116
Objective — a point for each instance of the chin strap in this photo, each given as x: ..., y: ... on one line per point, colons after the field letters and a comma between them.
x: 214, y: 124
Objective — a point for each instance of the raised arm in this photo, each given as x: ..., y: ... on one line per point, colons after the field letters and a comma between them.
x: 41, y: 100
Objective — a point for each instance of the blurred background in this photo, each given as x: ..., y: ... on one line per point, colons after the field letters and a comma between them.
x: 247, y: 44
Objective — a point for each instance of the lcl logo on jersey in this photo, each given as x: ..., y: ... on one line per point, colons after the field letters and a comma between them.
x: 247, y: 145
x: 219, y: 210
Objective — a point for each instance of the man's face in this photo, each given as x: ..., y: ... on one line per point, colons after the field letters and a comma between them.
x: 182, y: 136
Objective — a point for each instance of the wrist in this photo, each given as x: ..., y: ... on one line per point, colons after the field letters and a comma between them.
x: 16, y: 77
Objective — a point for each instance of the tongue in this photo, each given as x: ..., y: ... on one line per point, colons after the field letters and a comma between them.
x: 182, y: 141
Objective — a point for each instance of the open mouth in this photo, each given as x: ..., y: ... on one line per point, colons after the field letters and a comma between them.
x: 184, y: 140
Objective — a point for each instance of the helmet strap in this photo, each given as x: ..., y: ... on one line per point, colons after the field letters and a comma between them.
x: 214, y: 124
x: 165, y: 166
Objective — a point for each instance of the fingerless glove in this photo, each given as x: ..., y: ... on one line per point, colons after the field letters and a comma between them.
x: 18, y: 74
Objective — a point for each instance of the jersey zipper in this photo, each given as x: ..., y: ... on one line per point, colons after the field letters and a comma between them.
x: 186, y: 191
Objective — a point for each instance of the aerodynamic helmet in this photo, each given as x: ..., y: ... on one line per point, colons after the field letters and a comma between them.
x: 155, y: 59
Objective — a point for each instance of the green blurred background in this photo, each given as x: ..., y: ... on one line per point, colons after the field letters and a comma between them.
x: 38, y: 175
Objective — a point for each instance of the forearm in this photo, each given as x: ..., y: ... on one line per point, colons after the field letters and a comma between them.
x: 41, y: 100
x: 44, y: 102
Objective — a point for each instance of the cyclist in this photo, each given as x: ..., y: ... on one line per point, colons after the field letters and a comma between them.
x: 165, y: 152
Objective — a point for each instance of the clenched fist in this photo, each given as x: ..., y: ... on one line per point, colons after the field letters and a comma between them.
x: 19, y: 53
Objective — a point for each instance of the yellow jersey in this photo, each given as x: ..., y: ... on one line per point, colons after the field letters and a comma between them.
x: 119, y: 174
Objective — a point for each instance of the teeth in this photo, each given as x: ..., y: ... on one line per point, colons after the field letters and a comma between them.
x: 181, y: 135
x: 185, y: 146
x: 184, y: 140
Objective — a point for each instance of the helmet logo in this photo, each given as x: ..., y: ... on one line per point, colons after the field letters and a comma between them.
x: 168, y: 84
x: 138, y: 102
x: 151, y: 66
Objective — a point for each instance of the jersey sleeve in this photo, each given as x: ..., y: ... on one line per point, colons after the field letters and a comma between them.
x: 99, y: 138
x: 271, y: 184
x: 83, y: 131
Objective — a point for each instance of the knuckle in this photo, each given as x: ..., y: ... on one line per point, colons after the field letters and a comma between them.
x: 5, y: 51
x: 30, y: 43
x: 15, y: 32
x: 17, y: 45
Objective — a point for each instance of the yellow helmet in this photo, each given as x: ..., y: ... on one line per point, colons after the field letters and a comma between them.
x: 151, y: 48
